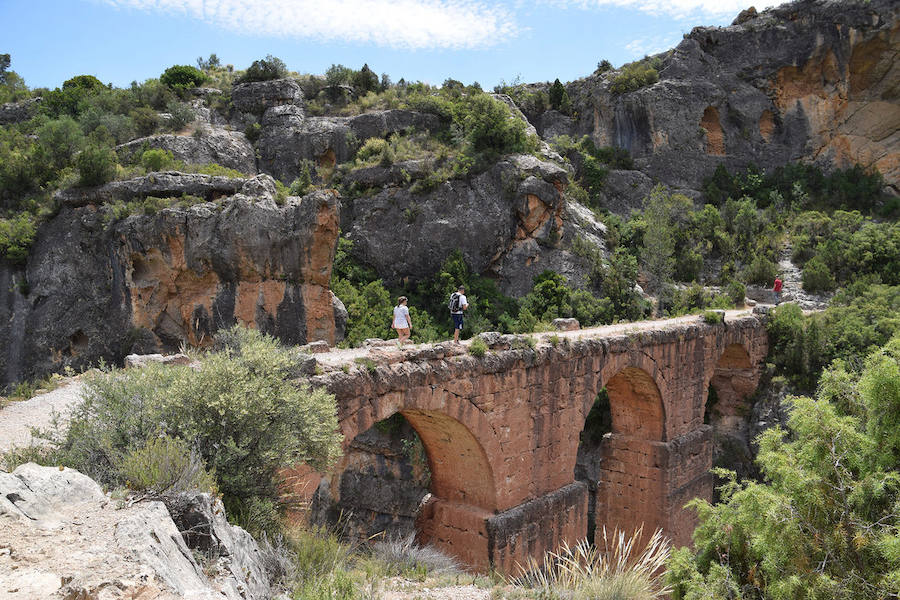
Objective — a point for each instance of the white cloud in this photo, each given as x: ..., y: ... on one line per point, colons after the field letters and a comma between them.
x: 651, y: 46
x: 397, y: 23
x: 677, y: 9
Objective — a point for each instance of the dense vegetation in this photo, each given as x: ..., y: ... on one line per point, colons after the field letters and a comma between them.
x: 227, y: 427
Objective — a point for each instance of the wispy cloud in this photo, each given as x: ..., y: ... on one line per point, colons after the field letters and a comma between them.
x: 649, y: 46
x: 410, y: 24
x: 678, y: 9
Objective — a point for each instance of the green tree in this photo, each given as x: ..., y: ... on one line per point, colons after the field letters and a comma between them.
x: 180, y: 77
x: 365, y: 80
x: 658, y: 253
x: 265, y: 69
x: 559, y: 98
x: 96, y: 165
x: 824, y: 523
x: 59, y: 141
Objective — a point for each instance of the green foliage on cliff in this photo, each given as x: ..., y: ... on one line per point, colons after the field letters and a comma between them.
x: 264, y: 69
x: 825, y: 521
x: 636, y: 75
x: 858, y: 320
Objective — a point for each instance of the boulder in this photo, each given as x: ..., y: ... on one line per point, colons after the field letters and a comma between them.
x: 67, y: 540
x: 142, y: 360
x: 230, y: 149
x: 257, y: 96
x: 16, y: 112
x: 566, y: 324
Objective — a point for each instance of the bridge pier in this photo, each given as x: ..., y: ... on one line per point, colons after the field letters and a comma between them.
x: 504, y: 541
x: 647, y: 483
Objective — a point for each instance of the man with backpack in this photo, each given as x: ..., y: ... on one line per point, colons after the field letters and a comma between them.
x: 458, y: 303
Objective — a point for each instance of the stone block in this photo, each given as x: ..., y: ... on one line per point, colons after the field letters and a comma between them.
x: 142, y: 360
x: 566, y: 324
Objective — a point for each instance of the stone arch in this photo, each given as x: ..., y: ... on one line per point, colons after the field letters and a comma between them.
x: 636, y: 405
x: 733, y: 380
x: 631, y: 491
x: 460, y: 470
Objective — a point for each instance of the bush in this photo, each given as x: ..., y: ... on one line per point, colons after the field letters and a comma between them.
x: 16, y: 235
x: 736, y: 292
x: 253, y: 131
x: 96, y: 165
x: 712, y: 317
x: 180, y: 115
x: 636, y: 75
x: 477, y: 347
x: 265, y: 69
x: 165, y: 466
x: 157, y: 159
x: 179, y: 77
x: 817, y: 277
x: 490, y: 126
x: 146, y: 120
x: 761, y: 271
x: 240, y: 410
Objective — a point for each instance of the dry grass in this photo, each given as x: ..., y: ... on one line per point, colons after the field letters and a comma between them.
x: 615, y: 569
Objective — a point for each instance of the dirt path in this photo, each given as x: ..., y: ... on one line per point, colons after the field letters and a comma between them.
x: 18, y: 418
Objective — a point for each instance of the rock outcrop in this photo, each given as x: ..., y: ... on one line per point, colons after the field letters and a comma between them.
x: 213, y: 145
x: 62, y: 537
x: 150, y: 282
x: 815, y: 80
x: 510, y: 221
x: 16, y: 112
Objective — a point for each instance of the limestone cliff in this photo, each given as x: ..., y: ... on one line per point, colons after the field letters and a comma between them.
x: 92, y: 289
x: 815, y: 80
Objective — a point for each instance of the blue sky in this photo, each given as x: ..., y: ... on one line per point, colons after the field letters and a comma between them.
x: 429, y: 40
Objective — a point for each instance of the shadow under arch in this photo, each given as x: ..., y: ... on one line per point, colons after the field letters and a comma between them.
x: 460, y: 470
x: 727, y: 409
x: 630, y: 490
x: 376, y: 492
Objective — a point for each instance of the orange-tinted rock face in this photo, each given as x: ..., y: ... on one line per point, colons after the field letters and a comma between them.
x: 502, y: 434
x: 715, y: 138
x: 257, y: 269
x: 766, y: 125
x: 852, y: 109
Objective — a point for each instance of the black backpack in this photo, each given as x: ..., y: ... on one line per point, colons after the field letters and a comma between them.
x: 454, y: 302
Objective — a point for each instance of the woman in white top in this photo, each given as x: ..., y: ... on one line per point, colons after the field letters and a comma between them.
x: 402, y: 323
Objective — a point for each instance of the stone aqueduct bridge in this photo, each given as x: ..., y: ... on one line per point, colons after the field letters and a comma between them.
x: 502, y: 431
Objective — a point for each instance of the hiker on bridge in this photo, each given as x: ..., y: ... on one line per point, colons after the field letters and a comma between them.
x: 402, y: 321
x: 458, y: 303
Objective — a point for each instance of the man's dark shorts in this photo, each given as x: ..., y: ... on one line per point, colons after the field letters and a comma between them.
x: 457, y: 321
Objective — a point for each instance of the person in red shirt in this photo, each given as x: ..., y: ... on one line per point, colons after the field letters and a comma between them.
x: 777, y: 289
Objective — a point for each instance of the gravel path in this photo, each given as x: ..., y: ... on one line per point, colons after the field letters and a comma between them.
x: 18, y: 418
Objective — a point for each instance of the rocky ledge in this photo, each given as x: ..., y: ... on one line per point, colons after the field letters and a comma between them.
x: 94, y: 286
x: 61, y: 537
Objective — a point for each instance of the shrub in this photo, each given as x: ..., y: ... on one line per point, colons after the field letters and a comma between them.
x: 713, y: 317
x: 157, y: 159
x: 240, y: 410
x: 490, y: 126
x: 559, y: 98
x: 16, y: 235
x: 736, y: 292
x: 253, y: 131
x: 146, y: 120
x: 477, y: 347
x: 165, y: 466
x: 761, y: 271
x: 636, y: 75
x: 180, y: 114
x: 179, y: 77
x: 96, y: 165
x: 404, y: 557
x: 265, y: 69
x: 816, y: 276
x: 616, y: 568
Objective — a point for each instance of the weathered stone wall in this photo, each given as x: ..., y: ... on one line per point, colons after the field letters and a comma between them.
x: 502, y: 431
